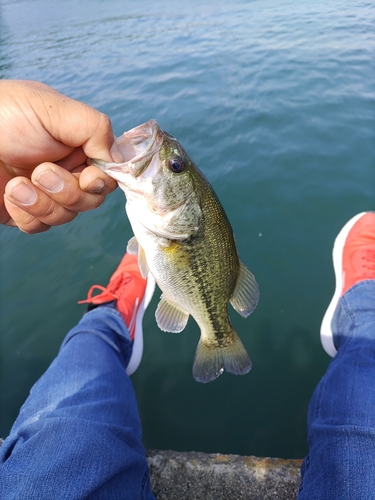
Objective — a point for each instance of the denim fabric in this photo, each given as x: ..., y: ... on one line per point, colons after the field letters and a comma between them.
x: 78, y: 435
x: 341, y: 419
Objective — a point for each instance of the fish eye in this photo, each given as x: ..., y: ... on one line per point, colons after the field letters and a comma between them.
x: 176, y: 165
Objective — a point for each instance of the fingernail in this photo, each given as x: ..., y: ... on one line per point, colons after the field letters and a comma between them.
x: 50, y: 181
x: 96, y: 186
x: 24, y: 194
x: 116, y: 154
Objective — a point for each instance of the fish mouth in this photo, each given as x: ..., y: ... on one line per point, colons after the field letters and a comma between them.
x: 137, y: 146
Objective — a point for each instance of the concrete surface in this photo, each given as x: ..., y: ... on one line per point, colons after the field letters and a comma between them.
x: 208, y: 476
x: 196, y: 476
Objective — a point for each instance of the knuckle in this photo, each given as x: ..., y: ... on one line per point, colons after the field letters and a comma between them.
x: 48, y: 211
x: 31, y: 225
x: 55, y: 215
x: 73, y: 198
x: 105, y: 122
x: 91, y: 202
x: 38, y: 227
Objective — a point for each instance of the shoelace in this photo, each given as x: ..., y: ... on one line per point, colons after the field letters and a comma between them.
x: 107, y: 296
x: 90, y: 295
x: 115, y: 285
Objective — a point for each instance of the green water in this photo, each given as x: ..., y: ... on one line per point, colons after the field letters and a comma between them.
x: 275, y: 103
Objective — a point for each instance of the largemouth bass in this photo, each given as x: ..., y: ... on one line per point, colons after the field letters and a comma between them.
x: 184, y: 239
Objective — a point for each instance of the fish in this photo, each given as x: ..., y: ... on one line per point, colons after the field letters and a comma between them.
x: 183, y: 237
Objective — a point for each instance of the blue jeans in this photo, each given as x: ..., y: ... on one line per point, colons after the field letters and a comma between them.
x: 341, y: 419
x: 78, y: 435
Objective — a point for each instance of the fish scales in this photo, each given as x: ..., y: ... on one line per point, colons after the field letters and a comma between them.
x: 212, y: 267
x: 184, y: 239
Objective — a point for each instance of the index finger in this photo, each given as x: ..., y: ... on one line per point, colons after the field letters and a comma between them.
x: 72, y: 122
x: 81, y: 125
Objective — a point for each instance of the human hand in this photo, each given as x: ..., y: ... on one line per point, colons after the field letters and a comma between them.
x: 46, y: 140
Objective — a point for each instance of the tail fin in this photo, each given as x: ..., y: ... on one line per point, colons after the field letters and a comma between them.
x: 211, y: 361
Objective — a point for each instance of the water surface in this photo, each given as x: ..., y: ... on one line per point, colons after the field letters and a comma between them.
x: 275, y: 103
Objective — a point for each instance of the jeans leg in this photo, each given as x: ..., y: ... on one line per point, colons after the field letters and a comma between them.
x: 78, y: 435
x: 341, y: 420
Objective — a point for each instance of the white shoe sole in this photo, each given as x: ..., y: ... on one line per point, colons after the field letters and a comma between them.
x: 326, y: 335
x: 137, y: 352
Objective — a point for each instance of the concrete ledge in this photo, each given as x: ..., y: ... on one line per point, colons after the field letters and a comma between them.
x: 211, y: 476
x: 196, y: 476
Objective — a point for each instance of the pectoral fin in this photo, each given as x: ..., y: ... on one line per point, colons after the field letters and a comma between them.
x: 169, y: 317
x: 142, y: 262
x: 133, y: 246
x: 246, y: 293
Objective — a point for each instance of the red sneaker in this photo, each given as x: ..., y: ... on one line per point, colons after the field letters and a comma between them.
x: 132, y: 294
x: 353, y: 261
